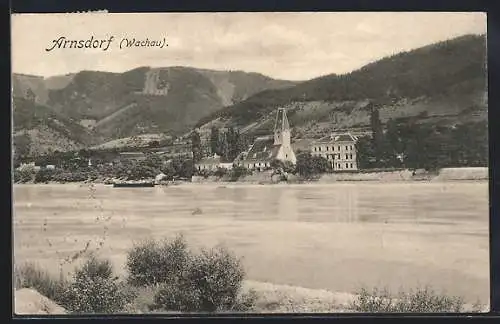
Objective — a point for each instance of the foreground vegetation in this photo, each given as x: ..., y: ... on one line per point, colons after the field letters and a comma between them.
x: 209, y: 280
x: 421, y: 300
x: 165, y: 276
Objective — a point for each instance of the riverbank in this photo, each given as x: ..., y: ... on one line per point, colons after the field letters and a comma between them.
x: 267, y: 177
x: 446, y: 174
x: 271, y: 298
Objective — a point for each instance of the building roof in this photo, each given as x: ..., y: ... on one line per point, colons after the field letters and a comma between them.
x: 263, y: 149
x: 336, y: 138
x: 344, y: 138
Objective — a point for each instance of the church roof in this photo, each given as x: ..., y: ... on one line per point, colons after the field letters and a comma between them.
x: 281, y: 121
x: 263, y: 149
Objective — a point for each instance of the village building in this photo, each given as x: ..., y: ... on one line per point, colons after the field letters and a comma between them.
x: 212, y: 163
x: 267, y: 149
x: 339, y: 150
x: 28, y: 167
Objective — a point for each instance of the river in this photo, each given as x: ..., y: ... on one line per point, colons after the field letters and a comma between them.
x: 338, y: 237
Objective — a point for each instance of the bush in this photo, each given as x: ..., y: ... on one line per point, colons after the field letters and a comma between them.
x: 238, y: 172
x: 423, y: 300
x: 309, y: 166
x: 44, y: 175
x: 32, y: 276
x: 211, y: 282
x: 23, y: 176
x: 96, y: 290
x: 151, y: 262
x: 220, y: 172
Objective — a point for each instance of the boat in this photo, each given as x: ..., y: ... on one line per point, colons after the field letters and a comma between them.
x: 130, y: 184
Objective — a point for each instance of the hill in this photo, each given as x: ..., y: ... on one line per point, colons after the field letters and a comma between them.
x: 140, y: 101
x: 440, y: 83
x: 37, y: 129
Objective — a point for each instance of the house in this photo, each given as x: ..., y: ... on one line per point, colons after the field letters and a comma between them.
x: 28, y: 167
x: 338, y: 149
x: 213, y: 163
x: 267, y: 149
x: 210, y: 163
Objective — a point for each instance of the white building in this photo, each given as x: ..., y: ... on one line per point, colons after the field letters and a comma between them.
x: 212, y: 163
x: 339, y: 150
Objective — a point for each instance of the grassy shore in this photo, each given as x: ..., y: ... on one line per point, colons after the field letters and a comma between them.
x: 271, y: 298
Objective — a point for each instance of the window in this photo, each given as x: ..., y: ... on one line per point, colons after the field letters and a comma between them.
x: 351, y: 165
x: 315, y: 149
x: 351, y: 147
x: 327, y: 148
x: 346, y: 156
x: 350, y: 156
x: 338, y: 148
x: 347, y: 147
x: 333, y: 148
x: 286, y: 156
x: 347, y: 165
x: 320, y: 148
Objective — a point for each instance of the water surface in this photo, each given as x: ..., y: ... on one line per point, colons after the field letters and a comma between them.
x: 337, y: 236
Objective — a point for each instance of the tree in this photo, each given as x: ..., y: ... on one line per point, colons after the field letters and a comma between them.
x: 153, y: 161
x: 364, y: 153
x: 308, y: 165
x: 379, y: 145
x: 232, y: 142
x: 196, y: 146
x: 214, y: 141
x: 224, y: 147
x: 22, y: 145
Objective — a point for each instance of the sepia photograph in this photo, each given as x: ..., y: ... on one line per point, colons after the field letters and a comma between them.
x: 250, y: 163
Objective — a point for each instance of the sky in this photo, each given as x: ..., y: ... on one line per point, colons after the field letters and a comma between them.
x: 291, y: 46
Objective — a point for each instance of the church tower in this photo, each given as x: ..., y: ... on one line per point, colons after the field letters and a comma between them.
x: 282, y: 128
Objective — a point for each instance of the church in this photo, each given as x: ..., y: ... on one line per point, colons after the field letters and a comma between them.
x: 269, y: 148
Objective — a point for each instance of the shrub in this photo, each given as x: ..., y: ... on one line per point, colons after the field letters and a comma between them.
x: 44, y: 175
x: 309, y: 166
x: 422, y: 300
x: 96, y: 290
x: 238, y: 172
x: 212, y: 282
x: 286, y: 166
x: 32, y: 276
x: 220, y: 172
x: 151, y: 262
x: 246, y: 301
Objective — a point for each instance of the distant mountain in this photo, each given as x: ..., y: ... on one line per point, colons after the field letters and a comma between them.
x: 37, y: 129
x: 444, y: 82
x: 140, y: 101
